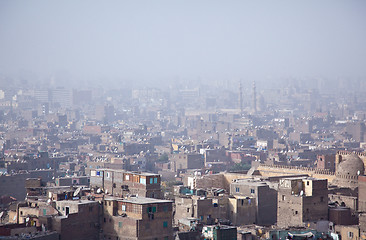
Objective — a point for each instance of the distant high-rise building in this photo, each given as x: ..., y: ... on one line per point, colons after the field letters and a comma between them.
x: 63, y: 97
x: 254, y: 99
x: 42, y: 95
x: 241, y: 98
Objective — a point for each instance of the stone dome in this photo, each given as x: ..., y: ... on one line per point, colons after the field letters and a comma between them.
x: 351, y: 165
x: 348, y: 170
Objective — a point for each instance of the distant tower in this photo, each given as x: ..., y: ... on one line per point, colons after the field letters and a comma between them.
x: 241, y: 98
x: 254, y: 98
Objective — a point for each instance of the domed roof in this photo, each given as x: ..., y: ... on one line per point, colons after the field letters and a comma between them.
x: 352, y: 165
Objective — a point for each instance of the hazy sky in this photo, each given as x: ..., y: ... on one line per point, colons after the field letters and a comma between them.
x: 154, y: 39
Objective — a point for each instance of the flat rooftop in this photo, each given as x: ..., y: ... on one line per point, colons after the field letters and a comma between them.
x: 143, y: 200
x: 130, y: 172
x: 79, y: 202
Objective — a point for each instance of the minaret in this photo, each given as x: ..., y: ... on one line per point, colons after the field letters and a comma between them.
x: 254, y: 99
x: 241, y: 99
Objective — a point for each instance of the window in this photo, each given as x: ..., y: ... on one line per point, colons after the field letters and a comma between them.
x: 108, y: 174
x: 296, y: 212
x: 127, y: 177
x: 151, y: 209
x: 119, y: 224
x: 90, y: 209
x: 350, y: 234
x: 151, y: 180
x: 44, y: 212
x: 307, y: 183
x: 166, y: 238
x: 165, y: 224
x: 283, y: 197
x: 156, y: 180
x: 165, y: 208
x: 188, y: 209
x: 143, y: 181
x: 67, y: 211
x: 123, y: 207
x: 252, y: 191
x: 321, y: 199
x: 237, y: 189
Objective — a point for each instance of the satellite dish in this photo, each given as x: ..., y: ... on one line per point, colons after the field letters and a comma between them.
x: 15, y: 217
x: 77, y: 191
x: 301, y: 192
x: 99, y: 191
x: 1, y: 214
x: 27, y: 219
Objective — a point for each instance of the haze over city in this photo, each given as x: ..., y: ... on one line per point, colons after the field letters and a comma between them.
x: 182, y: 120
x: 148, y: 42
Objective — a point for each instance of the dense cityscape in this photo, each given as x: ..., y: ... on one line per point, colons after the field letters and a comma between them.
x: 234, y: 162
x: 182, y: 120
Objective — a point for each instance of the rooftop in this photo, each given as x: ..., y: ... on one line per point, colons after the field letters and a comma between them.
x: 123, y: 171
x: 143, y: 200
x: 79, y: 202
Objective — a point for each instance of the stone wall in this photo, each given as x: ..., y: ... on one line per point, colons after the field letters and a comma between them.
x: 278, y: 170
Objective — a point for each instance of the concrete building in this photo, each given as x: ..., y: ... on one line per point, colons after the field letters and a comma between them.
x: 326, y: 162
x: 79, y: 219
x: 187, y: 161
x: 219, y: 232
x: 242, y: 210
x: 73, y: 181
x: 301, y: 200
x: 137, y: 218
x: 264, y: 198
x: 362, y: 194
x: 206, y: 210
x: 123, y: 183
